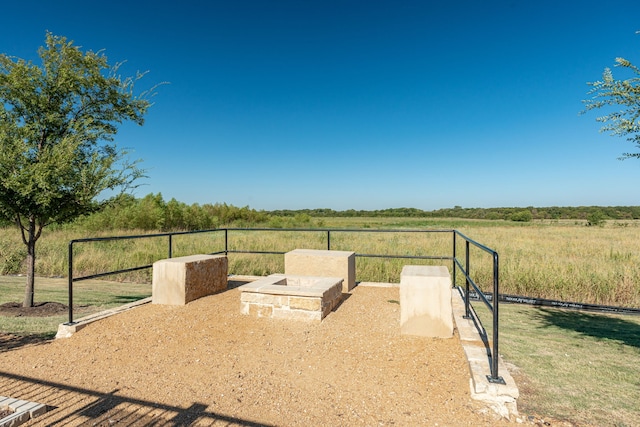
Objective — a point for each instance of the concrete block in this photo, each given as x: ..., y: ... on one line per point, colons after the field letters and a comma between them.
x: 425, y: 301
x: 15, y: 419
x: 37, y: 410
x: 6, y: 401
x: 312, y: 262
x: 178, y: 281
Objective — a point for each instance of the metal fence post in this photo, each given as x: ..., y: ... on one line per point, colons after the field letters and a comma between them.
x: 70, y: 273
x: 454, y: 258
x: 328, y: 240
x: 494, y: 378
x: 467, y: 309
x: 170, y: 245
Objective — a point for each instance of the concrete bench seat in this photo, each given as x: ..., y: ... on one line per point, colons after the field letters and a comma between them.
x: 425, y: 301
x: 180, y: 280
x: 287, y: 296
x: 325, y: 263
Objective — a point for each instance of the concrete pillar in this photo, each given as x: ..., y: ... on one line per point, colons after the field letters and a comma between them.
x: 313, y: 262
x: 425, y: 301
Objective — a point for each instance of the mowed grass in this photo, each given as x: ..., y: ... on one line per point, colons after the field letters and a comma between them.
x: 576, y: 366
x: 90, y: 296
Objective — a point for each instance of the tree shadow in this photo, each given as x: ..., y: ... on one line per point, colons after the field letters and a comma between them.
x: 12, y: 342
x: 125, y: 299
x: 598, y: 326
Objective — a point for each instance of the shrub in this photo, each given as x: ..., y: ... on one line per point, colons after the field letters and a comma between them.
x: 521, y: 216
x: 595, y: 218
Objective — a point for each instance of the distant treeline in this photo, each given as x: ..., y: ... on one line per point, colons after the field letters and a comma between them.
x: 517, y: 214
x: 152, y: 212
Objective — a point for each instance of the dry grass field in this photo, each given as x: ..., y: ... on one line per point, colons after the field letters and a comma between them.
x: 563, y: 260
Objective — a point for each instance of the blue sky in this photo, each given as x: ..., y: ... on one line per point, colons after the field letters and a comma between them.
x: 361, y: 104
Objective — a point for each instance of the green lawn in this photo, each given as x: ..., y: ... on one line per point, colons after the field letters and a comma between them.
x: 575, y: 366
x: 89, y: 297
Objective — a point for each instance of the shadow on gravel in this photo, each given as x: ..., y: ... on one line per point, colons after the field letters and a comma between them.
x: 595, y: 325
x: 72, y: 405
x: 12, y: 342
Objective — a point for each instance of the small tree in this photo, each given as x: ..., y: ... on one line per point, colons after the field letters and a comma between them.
x: 521, y: 216
x: 57, y: 123
x: 595, y: 218
x: 610, y: 92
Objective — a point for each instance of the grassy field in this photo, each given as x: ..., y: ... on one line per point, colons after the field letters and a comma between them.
x: 559, y: 260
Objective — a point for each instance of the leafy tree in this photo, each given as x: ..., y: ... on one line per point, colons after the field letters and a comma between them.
x: 522, y: 216
x: 595, y: 218
x: 57, y: 123
x: 610, y: 92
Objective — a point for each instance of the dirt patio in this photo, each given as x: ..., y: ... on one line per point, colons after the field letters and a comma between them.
x: 206, y: 364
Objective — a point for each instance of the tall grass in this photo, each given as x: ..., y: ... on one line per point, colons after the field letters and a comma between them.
x: 559, y: 260
x: 568, y: 261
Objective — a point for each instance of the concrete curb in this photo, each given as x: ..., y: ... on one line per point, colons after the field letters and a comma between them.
x: 65, y: 330
x: 501, y: 398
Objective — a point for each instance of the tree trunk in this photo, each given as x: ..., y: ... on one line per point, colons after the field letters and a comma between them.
x: 31, y: 264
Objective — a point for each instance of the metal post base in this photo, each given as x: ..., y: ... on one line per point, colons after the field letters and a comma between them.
x: 496, y: 380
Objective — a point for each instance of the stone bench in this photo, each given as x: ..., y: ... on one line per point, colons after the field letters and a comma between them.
x: 285, y: 296
x: 425, y: 301
x: 177, y: 281
x: 312, y: 262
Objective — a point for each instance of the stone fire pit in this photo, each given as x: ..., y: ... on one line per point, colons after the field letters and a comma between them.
x: 286, y: 296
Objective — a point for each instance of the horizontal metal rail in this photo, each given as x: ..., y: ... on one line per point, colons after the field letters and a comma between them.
x: 492, y: 306
x: 456, y: 265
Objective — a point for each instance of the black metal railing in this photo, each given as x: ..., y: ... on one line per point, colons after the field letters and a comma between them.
x: 493, y: 305
x: 456, y: 264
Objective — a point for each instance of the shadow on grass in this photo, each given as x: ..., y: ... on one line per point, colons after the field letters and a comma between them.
x: 126, y: 299
x: 594, y: 325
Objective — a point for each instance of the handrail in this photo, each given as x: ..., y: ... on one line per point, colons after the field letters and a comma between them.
x: 494, y: 308
x: 456, y: 264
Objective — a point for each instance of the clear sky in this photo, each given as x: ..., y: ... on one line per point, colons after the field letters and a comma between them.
x: 361, y: 104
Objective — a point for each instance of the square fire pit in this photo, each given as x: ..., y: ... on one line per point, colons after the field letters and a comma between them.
x: 286, y: 296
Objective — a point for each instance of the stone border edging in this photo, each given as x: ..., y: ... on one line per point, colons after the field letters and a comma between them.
x: 23, y: 411
x: 65, y: 330
x: 502, y: 398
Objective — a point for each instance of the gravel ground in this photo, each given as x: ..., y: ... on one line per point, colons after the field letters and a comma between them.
x: 206, y: 364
